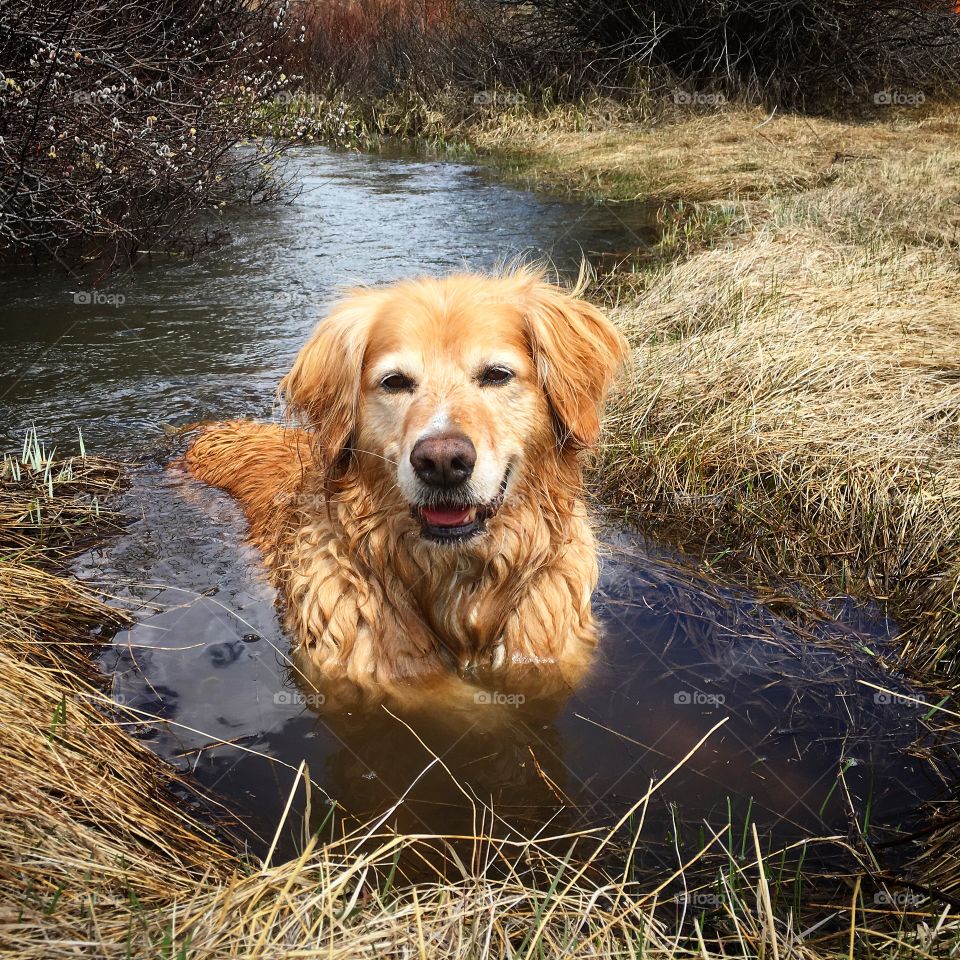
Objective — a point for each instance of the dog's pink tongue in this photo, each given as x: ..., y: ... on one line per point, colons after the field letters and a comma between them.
x: 447, y: 516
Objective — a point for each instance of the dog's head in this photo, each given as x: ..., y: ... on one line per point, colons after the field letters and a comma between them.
x: 454, y: 389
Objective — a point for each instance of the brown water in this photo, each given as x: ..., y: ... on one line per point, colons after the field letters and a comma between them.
x: 807, y: 748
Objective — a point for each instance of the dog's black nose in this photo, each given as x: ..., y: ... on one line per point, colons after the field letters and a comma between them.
x: 445, y: 460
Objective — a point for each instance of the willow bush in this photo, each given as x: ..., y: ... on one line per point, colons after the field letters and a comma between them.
x: 119, y: 123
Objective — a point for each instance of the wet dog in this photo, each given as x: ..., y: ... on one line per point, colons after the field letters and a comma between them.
x: 425, y: 520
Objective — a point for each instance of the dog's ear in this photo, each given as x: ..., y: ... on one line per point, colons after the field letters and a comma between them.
x: 323, y: 386
x: 577, y: 352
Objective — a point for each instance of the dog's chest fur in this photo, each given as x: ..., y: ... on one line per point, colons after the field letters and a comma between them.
x: 368, y: 598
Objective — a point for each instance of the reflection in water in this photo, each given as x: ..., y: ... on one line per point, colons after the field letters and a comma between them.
x: 806, y: 747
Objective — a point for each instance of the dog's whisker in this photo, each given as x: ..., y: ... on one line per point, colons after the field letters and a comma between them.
x: 373, y: 453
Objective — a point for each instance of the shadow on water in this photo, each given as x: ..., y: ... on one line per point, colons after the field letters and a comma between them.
x: 807, y: 747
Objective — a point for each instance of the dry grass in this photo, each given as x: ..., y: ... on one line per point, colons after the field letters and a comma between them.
x: 676, y: 153
x: 795, y: 397
x: 332, y: 903
x: 87, y: 814
x: 98, y: 859
x: 798, y: 400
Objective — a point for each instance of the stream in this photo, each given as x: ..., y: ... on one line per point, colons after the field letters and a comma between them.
x: 808, y: 747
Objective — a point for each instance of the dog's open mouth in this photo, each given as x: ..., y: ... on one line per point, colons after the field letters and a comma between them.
x: 452, y: 522
x: 448, y: 523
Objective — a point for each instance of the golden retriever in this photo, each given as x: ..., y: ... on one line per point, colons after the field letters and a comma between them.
x: 427, y: 519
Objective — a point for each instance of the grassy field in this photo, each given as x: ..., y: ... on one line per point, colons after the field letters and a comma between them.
x: 792, y: 410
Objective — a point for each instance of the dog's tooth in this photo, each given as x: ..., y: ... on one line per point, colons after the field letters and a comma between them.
x: 499, y: 656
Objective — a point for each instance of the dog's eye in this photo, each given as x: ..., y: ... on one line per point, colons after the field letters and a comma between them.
x: 494, y: 376
x: 397, y: 382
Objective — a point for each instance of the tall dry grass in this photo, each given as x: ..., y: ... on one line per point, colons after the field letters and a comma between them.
x: 658, y: 150
x: 794, y: 399
x: 87, y: 815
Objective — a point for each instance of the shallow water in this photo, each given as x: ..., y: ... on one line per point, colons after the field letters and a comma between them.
x: 208, y: 657
x: 202, y: 339
x: 807, y: 748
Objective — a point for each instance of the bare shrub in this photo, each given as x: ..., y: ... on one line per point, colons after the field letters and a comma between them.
x: 416, y: 47
x: 119, y: 123
x: 796, y: 52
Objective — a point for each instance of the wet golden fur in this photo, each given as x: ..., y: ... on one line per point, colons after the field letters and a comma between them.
x: 369, y: 601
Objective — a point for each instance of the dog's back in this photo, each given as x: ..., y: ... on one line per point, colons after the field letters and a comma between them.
x: 261, y: 465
